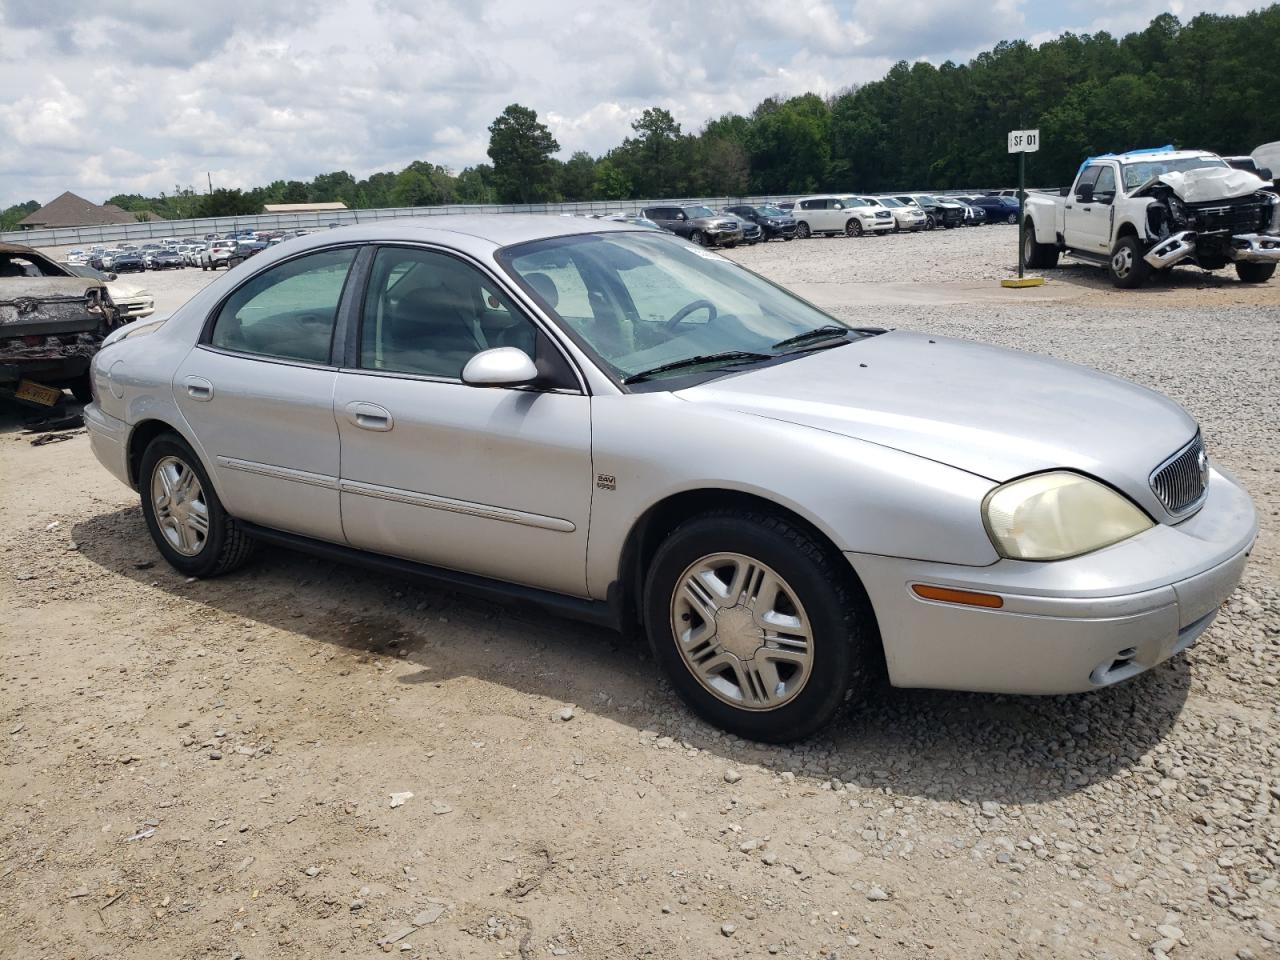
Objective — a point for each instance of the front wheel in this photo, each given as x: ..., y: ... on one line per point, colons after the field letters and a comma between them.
x: 930, y: 223
x: 853, y: 228
x: 761, y: 627
x: 186, y: 519
x: 1126, y: 266
x: 1254, y: 272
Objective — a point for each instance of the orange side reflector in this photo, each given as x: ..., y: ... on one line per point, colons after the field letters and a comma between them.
x: 966, y: 597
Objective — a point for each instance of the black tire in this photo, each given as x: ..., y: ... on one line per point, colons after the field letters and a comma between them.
x: 225, y: 547
x: 1254, y: 272
x: 853, y: 227
x: 1011, y: 218
x: 847, y: 656
x: 1037, y: 255
x: 698, y: 237
x: 930, y: 223
x: 789, y: 239
x: 803, y: 231
x: 82, y: 387
x: 1126, y: 267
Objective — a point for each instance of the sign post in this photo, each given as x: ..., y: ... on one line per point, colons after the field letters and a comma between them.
x: 1023, y: 142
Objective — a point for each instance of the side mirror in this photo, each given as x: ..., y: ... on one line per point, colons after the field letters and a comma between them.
x: 1265, y: 173
x: 500, y: 367
x: 681, y: 216
x: 1064, y: 191
x: 1085, y: 193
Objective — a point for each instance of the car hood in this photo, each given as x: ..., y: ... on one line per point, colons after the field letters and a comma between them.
x: 990, y: 411
x: 124, y: 291
x: 1206, y: 184
x: 727, y: 223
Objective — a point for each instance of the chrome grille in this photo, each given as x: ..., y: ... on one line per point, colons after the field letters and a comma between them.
x: 1180, y: 481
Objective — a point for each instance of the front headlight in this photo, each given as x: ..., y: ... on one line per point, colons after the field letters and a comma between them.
x: 1053, y: 516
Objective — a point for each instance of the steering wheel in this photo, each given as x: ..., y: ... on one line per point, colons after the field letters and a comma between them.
x: 689, y: 308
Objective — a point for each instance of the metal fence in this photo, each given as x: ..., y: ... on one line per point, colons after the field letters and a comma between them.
x: 160, y: 229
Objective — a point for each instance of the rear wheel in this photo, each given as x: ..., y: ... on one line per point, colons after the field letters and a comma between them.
x: 761, y: 627
x: 1011, y: 218
x: 1126, y: 266
x: 184, y: 515
x: 1255, y: 272
x: 803, y: 231
x: 1035, y: 254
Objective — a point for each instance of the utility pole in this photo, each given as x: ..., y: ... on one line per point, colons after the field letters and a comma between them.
x: 210, y: 176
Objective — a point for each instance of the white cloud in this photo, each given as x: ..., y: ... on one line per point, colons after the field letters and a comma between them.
x: 107, y: 96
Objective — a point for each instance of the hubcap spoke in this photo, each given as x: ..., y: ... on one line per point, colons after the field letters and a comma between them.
x: 181, y: 513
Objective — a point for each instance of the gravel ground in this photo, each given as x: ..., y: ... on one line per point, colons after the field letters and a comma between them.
x: 207, y: 768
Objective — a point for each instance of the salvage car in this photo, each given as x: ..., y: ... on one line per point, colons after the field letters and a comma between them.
x: 1149, y: 210
x: 51, y: 325
x: 906, y: 216
x: 131, y: 303
x: 700, y: 224
x: 772, y: 221
x: 621, y: 425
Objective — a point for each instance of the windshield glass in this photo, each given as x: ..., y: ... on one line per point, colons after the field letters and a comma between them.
x: 1136, y: 174
x: 890, y: 202
x: 643, y: 300
x: 926, y: 199
x: 770, y: 212
x: 692, y: 212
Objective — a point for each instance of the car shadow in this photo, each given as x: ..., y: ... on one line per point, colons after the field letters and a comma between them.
x: 1087, y: 276
x: 926, y: 743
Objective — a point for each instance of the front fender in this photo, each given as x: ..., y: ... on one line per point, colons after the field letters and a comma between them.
x: 864, y: 497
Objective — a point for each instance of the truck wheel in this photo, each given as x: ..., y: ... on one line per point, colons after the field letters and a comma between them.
x: 761, y: 627
x: 1255, y: 272
x: 1039, y: 255
x: 803, y: 231
x: 853, y: 228
x: 1126, y: 266
x: 187, y: 521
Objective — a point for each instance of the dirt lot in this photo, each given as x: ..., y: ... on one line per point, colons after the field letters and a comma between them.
x: 206, y: 769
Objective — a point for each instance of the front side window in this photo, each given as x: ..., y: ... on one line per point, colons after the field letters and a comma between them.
x: 427, y: 314
x: 1105, y: 188
x: 286, y: 312
x: 641, y: 300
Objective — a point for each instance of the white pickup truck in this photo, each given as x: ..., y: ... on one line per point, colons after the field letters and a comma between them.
x: 1139, y: 212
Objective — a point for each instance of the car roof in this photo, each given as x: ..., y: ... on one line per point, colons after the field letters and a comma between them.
x: 500, y: 229
x: 1157, y: 155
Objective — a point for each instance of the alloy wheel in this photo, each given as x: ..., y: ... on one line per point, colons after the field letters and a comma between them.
x: 742, y: 631
x: 182, y: 513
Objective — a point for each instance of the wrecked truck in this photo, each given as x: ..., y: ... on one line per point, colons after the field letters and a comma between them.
x: 51, y: 325
x: 1149, y: 210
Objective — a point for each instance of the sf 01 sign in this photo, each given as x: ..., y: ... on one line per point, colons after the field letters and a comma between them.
x: 1024, y: 141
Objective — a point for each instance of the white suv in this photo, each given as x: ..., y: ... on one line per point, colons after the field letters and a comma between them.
x: 832, y: 213
x: 218, y: 254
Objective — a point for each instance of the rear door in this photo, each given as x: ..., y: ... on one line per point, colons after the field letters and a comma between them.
x: 258, y: 393
x: 489, y: 481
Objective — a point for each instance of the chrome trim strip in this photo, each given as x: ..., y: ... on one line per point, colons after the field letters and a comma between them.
x: 279, y: 473
x: 484, y: 511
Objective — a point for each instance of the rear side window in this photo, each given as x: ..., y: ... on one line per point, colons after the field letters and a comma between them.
x: 286, y: 312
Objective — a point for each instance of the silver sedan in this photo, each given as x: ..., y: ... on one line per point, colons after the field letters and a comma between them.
x: 620, y: 425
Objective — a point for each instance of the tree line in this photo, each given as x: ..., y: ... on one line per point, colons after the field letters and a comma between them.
x: 1206, y: 84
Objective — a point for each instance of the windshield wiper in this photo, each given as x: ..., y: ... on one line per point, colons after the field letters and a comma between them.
x: 829, y: 332
x: 698, y: 361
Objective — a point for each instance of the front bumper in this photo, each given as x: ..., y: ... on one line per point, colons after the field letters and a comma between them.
x: 1246, y: 247
x: 1071, y: 625
x: 1255, y: 248
x: 877, y: 225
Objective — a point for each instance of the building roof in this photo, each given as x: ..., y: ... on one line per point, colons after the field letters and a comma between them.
x: 70, y: 210
x: 304, y: 207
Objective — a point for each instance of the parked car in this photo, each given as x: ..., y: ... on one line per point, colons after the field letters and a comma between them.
x: 217, y: 254
x: 938, y: 214
x: 906, y: 216
x: 635, y: 219
x: 244, y: 250
x: 697, y: 223
x: 165, y: 260
x: 970, y: 516
x: 131, y: 303
x: 127, y: 261
x: 883, y: 221
x: 1145, y: 211
x: 830, y: 214
x: 51, y: 325
x: 774, y: 223
x: 1000, y: 209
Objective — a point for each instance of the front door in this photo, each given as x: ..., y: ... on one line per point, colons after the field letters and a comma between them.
x: 495, y: 482
x: 258, y: 393
x: 1085, y: 220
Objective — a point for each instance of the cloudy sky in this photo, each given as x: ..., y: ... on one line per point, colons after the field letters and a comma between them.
x: 112, y: 96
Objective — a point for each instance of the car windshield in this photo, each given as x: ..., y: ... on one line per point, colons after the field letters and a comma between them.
x: 890, y: 202
x: 693, y: 212
x: 770, y: 212
x: 1136, y: 174
x: 925, y: 198
x: 639, y: 301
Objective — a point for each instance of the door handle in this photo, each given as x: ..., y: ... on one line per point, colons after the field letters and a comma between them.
x: 1068, y: 206
x: 198, y: 388
x: 369, y: 416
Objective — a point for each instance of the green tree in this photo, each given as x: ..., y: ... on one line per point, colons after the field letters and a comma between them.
x: 611, y: 183
x: 10, y: 216
x: 655, y: 153
x: 229, y: 203
x: 521, y: 148
x: 578, y: 176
